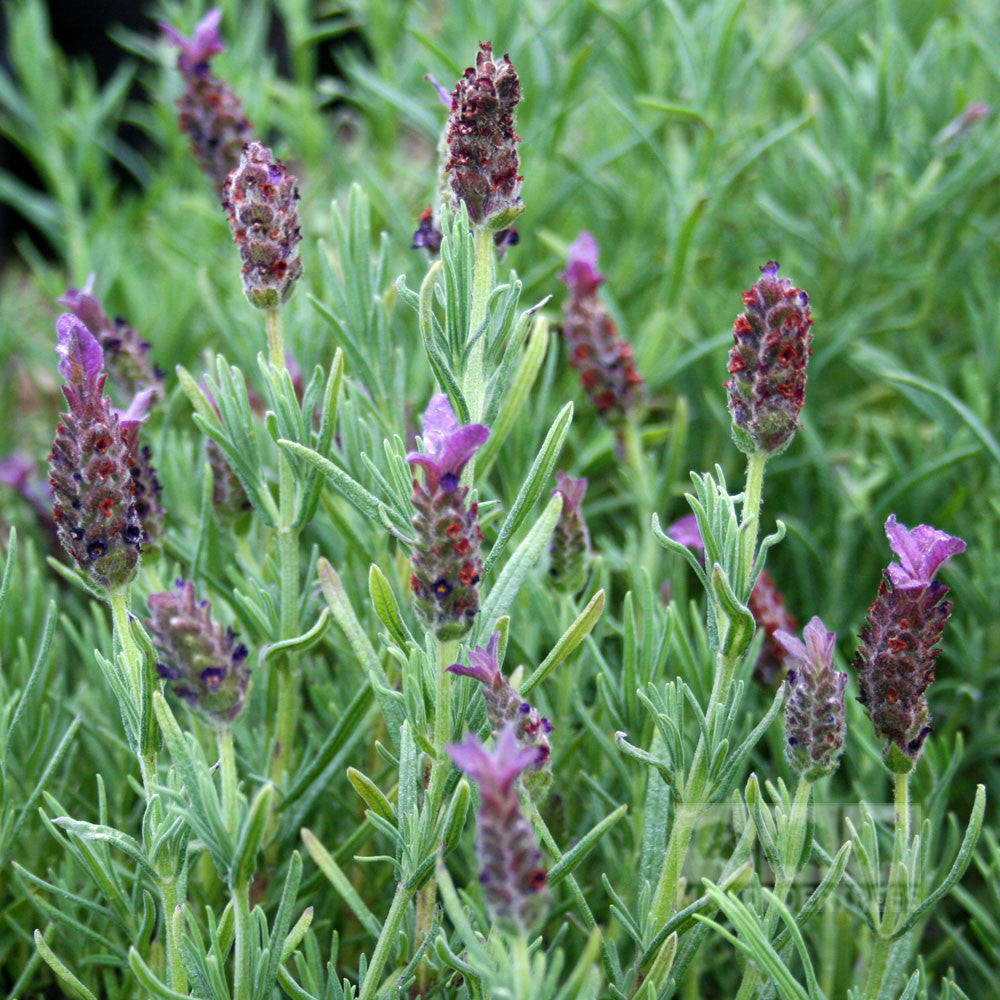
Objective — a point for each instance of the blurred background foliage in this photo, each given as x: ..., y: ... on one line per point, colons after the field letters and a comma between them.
x: 696, y: 139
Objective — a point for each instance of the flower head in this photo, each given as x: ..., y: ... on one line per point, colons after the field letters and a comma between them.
x: 602, y: 357
x: 767, y: 363
x: 126, y: 354
x: 447, y: 445
x: 91, y: 467
x: 814, y: 710
x: 201, y: 659
x: 922, y: 552
x: 504, y: 706
x: 260, y: 197
x: 146, y: 488
x: 210, y: 112
x: 570, y: 546
x: 896, y: 658
x: 512, y: 877
x: 482, y: 160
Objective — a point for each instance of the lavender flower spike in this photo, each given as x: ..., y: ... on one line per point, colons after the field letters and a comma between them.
x: 210, y: 112
x: 260, y: 198
x: 602, y: 357
x: 146, y: 488
x: 90, y: 467
x: 512, y: 877
x: 203, y: 661
x: 504, y: 705
x: 896, y: 657
x: 125, y: 353
x: 570, y: 547
x: 446, y: 560
x: 768, y: 363
x: 483, y: 164
x: 814, y: 712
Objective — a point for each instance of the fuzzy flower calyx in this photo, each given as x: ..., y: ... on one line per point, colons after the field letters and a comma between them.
x: 504, y: 705
x: 569, y: 550
x: 767, y: 364
x: 446, y: 559
x: 602, y: 357
x: 814, y: 709
x: 896, y: 658
x: 90, y: 467
x: 210, y: 113
x: 260, y: 197
x: 483, y: 165
x: 512, y: 877
x: 202, y: 660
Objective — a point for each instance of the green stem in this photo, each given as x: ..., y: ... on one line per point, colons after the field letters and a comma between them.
x: 473, y: 380
x: 791, y: 855
x: 894, y: 893
x: 385, y: 942
x: 753, y: 491
x: 288, y: 567
x: 638, y: 471
x: 227, y: 765
x: 175, y: 967
x: 522, y: 966
x: 242, y: 986
x: 119, y: 600
x: 673, y: 862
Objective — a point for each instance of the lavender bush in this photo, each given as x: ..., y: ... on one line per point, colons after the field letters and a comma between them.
x: 364, y: 634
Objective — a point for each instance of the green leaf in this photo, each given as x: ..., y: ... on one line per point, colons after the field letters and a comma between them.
x: 531, y: 489
x: 503, y: 592
x: 107, y: 835
x: 372, y: 795
x: 570, y: 639
x: 251, y: 835
x: 584, y: 846
x: 386, y: 607
x: 149, y: 981
x: 68, y: 980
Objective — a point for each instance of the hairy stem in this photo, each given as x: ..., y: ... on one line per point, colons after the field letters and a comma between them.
x: 242, y: 986
x: 227, y: 765
x: 177, y: 977
x: 385, y: 942
x: 752, y: 494
x: 288, y: 567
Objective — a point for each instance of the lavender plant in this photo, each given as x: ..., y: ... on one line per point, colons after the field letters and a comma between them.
x: 414, y: 599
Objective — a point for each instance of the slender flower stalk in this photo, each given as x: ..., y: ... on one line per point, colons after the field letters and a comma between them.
x: 91, y: 467
x: 446, y: 559
x: 512, y: 877
x: 210, y: 112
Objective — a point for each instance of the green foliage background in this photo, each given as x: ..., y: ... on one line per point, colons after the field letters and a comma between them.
x: 696, y: 140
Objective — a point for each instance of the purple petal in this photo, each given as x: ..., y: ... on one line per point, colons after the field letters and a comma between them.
x: 447, y: 446
x: 572, y: 491
x: 82, y: 303
x: 687, y: 532
x: 136, y: 411
x: 819, y: 641
x: 581, y: 276
x: 443, y: 91
x: 81, y: 358
x: 793, y: 645
x: 499, y: 768
x: 483, y: 664
x: 16, y: 470
x: 203, y: 44
x: 922, y: 551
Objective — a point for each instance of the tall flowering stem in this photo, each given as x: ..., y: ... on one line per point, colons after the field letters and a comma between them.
x: 210, y: 112
x: 895, y: 663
